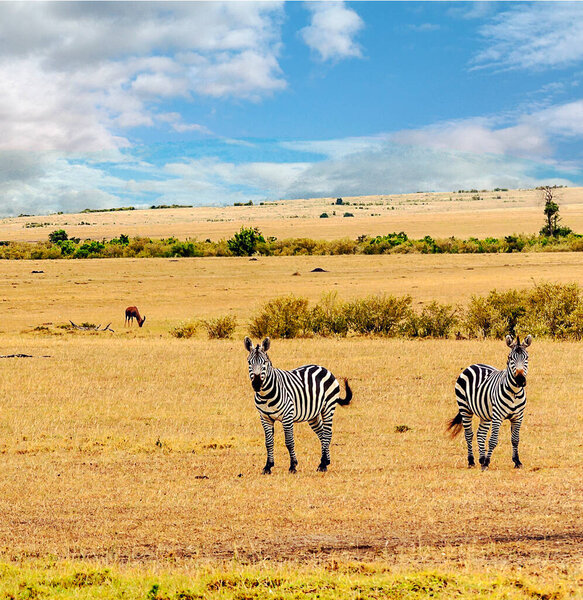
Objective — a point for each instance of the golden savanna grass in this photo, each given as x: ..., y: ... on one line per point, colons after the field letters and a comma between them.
x: 142, y: 453
x: 464, y: 215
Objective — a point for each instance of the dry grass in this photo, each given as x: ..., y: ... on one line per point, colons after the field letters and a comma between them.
x: 142, y: 450
x: 169, y: 291
x: 436, y: 214
x: 137, y: 447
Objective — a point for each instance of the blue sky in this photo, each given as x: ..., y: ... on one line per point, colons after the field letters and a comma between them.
x: 109, y: 104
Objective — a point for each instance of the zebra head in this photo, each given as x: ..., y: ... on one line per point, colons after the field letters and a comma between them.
x: 517, y: 365
x: 259, y: 363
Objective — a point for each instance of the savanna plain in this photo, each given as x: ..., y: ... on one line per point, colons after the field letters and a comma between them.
x: 131, y: 460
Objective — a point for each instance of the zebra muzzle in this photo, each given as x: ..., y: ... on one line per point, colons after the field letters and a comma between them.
x: 521, y: 380
x: 256, y: 382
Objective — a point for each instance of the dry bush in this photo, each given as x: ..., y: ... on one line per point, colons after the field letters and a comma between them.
x: 220, y: 327
x: 435, y: 320
x: 379, y: 315
x: 328, y: 317
x: 185, y: 330
x: 283, y: 317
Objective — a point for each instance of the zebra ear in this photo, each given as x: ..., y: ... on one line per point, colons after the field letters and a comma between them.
x: 248, y: 344
x: 527, y: 341
x: 509, y: 341
x: 266, y: 344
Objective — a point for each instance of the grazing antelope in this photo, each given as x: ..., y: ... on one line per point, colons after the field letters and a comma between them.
x: 132, y: 313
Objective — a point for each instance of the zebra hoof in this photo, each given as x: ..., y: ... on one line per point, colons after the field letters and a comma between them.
x: 484, y: 467
x: 471, y: 465
x: 322, y: 468
x: 266, y: 471
x: 292, y: 470
x: 518, y: 465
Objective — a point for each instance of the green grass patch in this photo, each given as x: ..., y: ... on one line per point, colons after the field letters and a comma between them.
x: 354, y: 581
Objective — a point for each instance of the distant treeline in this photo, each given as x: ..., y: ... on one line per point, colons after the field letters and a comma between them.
x: 250, y: 241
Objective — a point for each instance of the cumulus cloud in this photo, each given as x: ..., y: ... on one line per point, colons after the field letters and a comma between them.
x: 537, y: 35
x: 75, y: 75
x: 45, y: 182
x: 332, y: 30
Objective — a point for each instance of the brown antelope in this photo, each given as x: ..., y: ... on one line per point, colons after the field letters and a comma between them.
x: 132, y: 313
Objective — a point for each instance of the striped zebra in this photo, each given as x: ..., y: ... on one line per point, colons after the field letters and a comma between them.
x: 493, y: 396
x: 309, y: 393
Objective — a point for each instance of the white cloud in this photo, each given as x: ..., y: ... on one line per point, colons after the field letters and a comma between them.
x: 534, y: 36
x: 45, y: 182
x: 332, y: 30
x: 75, y: 73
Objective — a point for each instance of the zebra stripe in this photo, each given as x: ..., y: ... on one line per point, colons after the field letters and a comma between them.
x: 309, y: 393
x: 493, y: 396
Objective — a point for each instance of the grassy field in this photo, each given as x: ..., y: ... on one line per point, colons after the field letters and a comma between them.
x: 168, y: 291
x: 464, y: 215
x: 132, y: 459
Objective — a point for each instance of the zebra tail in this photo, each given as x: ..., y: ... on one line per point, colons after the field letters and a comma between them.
x: 346, y: 401
x: 455, y: 425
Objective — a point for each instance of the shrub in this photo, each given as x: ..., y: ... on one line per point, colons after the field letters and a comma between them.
x: 185, y: 330
x: 324, y: 215
x: 554, y: 309
x: 59, y: 235
x: 244, y: 243
x: 328, y: 317
x: 283, y: 317
x: 220, y: 327
x: 381, y: 314
x: 497, y: 315
x: 435, y: 320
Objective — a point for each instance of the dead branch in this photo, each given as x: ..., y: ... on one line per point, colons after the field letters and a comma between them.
x: 92, y: 327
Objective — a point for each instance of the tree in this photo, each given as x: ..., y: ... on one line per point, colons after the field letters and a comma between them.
x: 551, y: 211
x: 59, y: 235
x: 245, y: 242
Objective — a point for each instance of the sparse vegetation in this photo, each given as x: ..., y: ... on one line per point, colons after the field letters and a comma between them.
x: 546, y: 310
x: 185, y: 330
x: 220, y: 327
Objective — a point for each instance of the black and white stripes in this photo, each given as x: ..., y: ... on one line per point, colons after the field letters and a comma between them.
x: 492, y: 396
x: 309, y: 393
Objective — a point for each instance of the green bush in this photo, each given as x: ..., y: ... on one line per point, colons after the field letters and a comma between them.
x: 244, y: 243
x: 283, y: 317
x: 59, y: 235
x: 220, y: 327
x: 185, y: 330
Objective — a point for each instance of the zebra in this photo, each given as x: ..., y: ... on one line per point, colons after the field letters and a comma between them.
x: 309, y: 393
x: 493, y: 396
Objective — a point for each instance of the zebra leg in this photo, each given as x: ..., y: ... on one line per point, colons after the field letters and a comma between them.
x: 268, y: 429
x: 326, y: 439
x: 482, y: 434
x: 288, y: 430
x: 515, y: 437
x: 317, y: 426
x: 496, y: 422
x: 469, y: 435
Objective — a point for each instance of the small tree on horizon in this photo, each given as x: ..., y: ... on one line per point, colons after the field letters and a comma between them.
x: 551, y: 211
